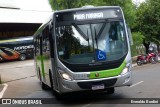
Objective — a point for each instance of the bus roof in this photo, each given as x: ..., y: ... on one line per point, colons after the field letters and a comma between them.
x: 88, y: 8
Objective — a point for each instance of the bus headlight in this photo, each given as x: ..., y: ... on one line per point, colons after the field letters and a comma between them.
x: 126, y: 69
x: 64, y: 75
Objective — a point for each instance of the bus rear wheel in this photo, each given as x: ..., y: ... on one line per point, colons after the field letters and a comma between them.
x: 22, y: 57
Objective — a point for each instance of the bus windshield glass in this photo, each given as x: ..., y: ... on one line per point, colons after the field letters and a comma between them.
x: 91, y: 42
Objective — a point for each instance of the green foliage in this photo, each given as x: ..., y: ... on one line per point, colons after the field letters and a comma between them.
x: 67, y: 4
x: 136, y: 48
x: 148, y: 20
x: 137, y: 38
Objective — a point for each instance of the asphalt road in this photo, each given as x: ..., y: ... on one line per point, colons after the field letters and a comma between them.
x: 22, y: 83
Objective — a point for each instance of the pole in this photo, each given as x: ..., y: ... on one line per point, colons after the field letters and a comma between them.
x: 0, y: 79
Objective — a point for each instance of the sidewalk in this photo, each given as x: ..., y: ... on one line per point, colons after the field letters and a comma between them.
x: 134, y: 64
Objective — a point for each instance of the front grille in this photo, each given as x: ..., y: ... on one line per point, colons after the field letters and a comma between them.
x: 88, y: 85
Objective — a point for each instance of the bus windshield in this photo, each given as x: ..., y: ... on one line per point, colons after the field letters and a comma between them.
x: 91, y: 42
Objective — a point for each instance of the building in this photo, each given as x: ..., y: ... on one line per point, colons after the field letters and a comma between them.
x: 15, y: 22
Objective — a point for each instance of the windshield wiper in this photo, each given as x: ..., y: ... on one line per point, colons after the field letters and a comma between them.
x: 96, y: 37
x: 81, y: 32
x: 101, y: 30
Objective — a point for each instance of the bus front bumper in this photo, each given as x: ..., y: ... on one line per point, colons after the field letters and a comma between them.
x: 81, y: 85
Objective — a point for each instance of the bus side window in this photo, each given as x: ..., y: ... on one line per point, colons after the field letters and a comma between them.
x: 129, y: 35
x: 45, y: 34
x: 37, y: 45
x: 40, y: 44
x: 51, y: 41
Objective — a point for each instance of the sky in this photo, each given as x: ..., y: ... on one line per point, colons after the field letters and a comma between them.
x: 39, y: 5
x: 139, y: 1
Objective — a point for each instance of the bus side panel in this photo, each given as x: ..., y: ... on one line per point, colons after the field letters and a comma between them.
x: 8, y: 54
x: 12, y: 48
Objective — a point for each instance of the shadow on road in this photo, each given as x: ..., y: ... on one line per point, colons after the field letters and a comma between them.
x: 90, y: 97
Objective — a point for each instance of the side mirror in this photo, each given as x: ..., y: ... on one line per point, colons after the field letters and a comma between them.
x: 130, y: 36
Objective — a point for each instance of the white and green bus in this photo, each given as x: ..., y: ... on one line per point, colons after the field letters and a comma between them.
x: 84, y: 49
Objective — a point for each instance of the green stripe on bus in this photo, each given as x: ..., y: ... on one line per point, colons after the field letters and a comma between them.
x: 40, y: 59
x: 107, y: 73
x: 42, y: 64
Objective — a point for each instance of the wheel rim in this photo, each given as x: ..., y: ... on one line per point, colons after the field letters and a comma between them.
x: 153, y: 60
x: 22, y: 57
x: 139, y: 62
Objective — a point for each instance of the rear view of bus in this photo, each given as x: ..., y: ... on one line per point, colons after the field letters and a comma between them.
x: 92, y: 49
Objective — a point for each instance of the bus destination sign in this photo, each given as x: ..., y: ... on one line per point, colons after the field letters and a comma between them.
x: 88, y: 16
x: 82, y: 15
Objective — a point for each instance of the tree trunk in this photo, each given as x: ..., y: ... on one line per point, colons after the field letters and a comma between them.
x: 146, y: 45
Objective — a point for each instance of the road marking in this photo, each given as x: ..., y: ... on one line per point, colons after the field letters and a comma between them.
x: 86, y: 105
x: 136, y: 84
x: 4, y: 89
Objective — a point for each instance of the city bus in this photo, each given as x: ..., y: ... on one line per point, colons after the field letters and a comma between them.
x: 19, y: 48
x: 84, y: 49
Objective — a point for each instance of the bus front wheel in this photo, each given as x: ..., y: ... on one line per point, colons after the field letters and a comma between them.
x: 43, y: 85
x: 59, y: 96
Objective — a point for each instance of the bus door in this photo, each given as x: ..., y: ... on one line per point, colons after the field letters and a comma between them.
x: 46, y: 54
x: 40, y: 59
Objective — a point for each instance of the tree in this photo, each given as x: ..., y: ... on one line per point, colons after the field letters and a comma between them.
x: 148, y: 21
x: 67, y: 4
x: 137, y: 42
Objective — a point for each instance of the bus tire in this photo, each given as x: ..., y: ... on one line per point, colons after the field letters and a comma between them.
x: 111, y: 90
x: 51, y: 81
x: 43, y: 85
x: 22, y: 57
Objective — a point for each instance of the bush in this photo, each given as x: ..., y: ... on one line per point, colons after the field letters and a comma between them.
x: 137, y: 47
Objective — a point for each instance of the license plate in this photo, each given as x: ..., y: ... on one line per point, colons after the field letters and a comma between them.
x: 98, y: 87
